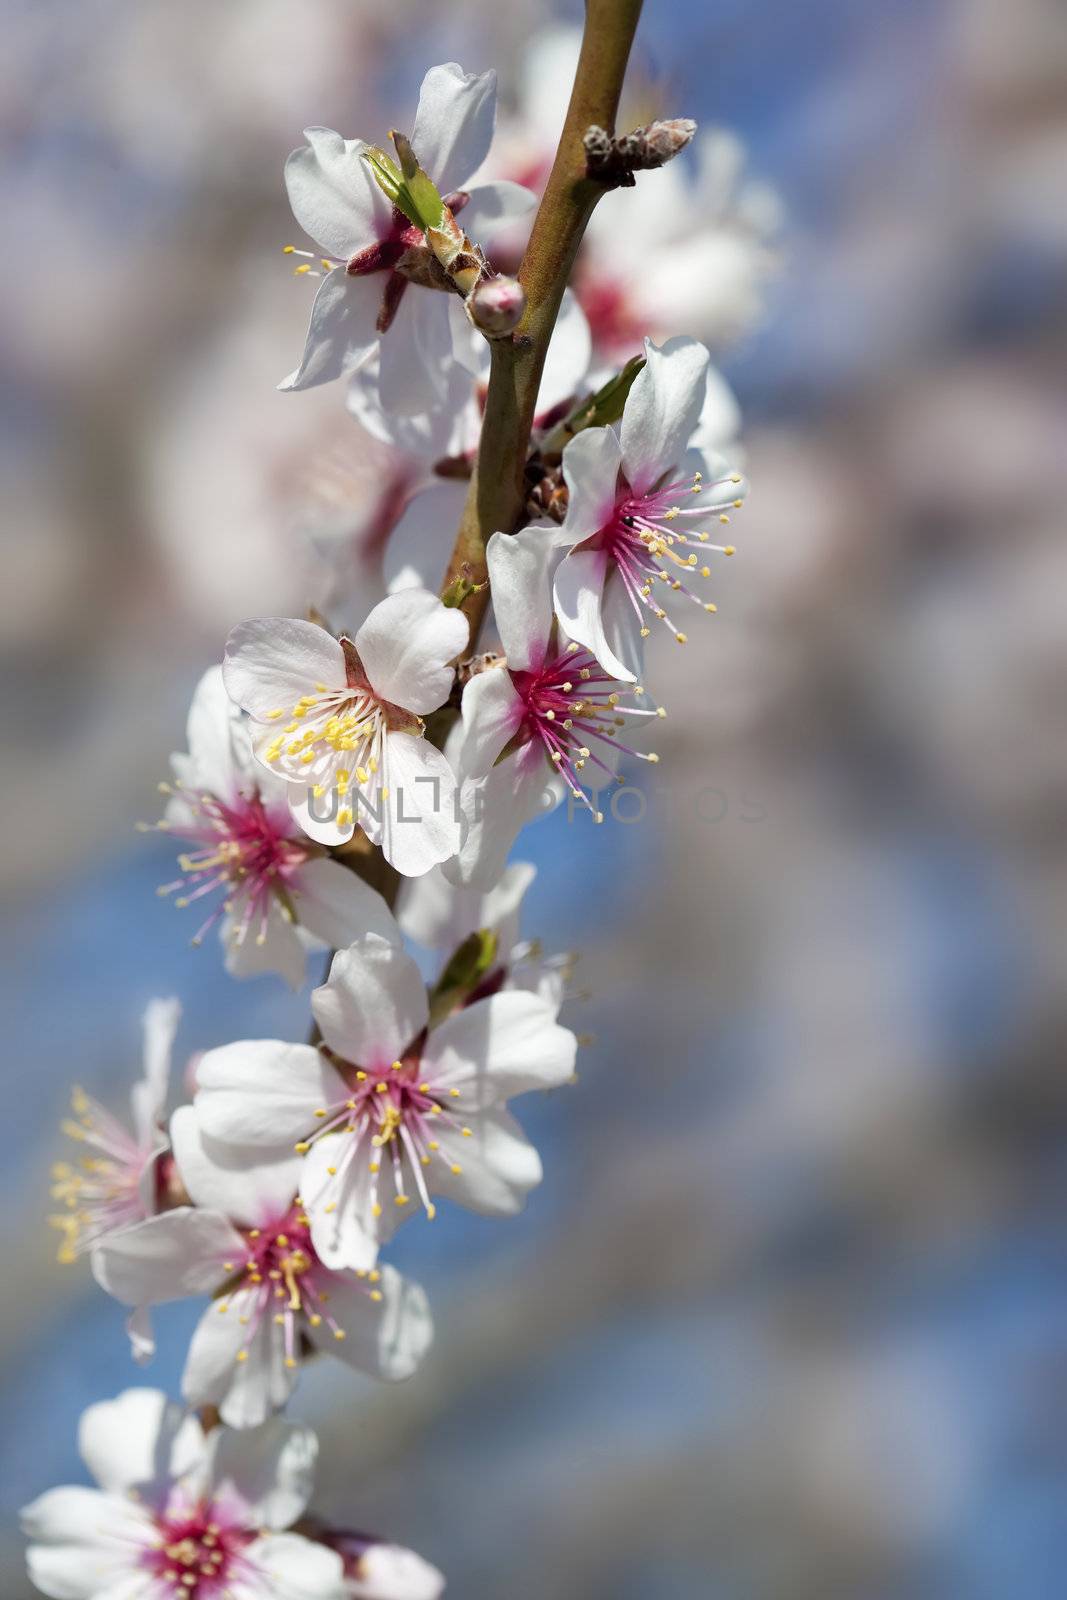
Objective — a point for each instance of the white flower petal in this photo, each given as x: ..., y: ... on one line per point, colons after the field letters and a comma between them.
x: 373, y: 1004
x: 347, y: 1236
x: 662, y: 410
x: 149, y: 1097
x: 290, y: 1567
x: 83, y: 1542
x: 498, y: 1165
x: 269, y: 1471
x: 308, y: 814
x: 263, y: 1092
x: 390, y: 1572
x: 333, y: 194
x: 337, y: 906
x: 591, y: 463
x: 495, y: 809
x: 248, y: 1391
x: 130, y: 1440
x: 166, y: 1258
x: 272, y: 662
x: 420, y: 544
x: 237, y: 1181
x: 436, y: 914
x: 579, y: 594
x: 407, y: 646
x: 388, y: 1337
x: 454, y: 124
x: 492, y: 714
x: 505, y: 1045
x: 276, y: 945
x: 220, y: 755
x: 568, y: 358
x: 520, y: 578
x: 491, y: 205
x: 420, y: 824
x: 342, y: 329
x: 415, y: 355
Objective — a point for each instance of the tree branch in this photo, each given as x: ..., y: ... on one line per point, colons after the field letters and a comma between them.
x: 496, y: 496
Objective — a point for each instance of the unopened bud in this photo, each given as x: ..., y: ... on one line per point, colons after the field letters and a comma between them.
x: 496, y: 306
x: 656, y: 144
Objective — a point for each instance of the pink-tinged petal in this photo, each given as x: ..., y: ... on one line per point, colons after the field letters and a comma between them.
x: 491, y: 205
x: 236, y: 1180
x: 492, y: 714
x: 273, y: 662
x: 169, y: 1257
x: 84, y: 1543
x: 420, y: 544
x: 373, y: 1005
x: 290, y: 1567
x: 247, y: 1391
x: 407, y: 646
x: 130, y: 1440
x: 149, y: 1097
x: 277, y: 945
x: 662, y: 410
x: 415, y: 355
x: 495, y: 809
x: 346, y: 1236
x: 269, y: 1471
x: 333, y: 194
x: 262, y: 1092
x: 591, y: 464
x: 342, y: 330
x: 390, y: 1572
x: 435, y: 914
x: 498, y: 1165
x: 388, y: 1337
x: 454, y: 123
x: 520, y: 581
x: 505, y: 1045
x: 336, y: 906
x: 420, y: 823
x: 579, y: 592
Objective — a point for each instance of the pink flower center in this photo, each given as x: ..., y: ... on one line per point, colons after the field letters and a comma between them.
x: 572, y: 709
x: 616, y: 328
x: 288, y: 1284
x: 651, y: 542
x: 245, y: 850
x: 198, y: 1554
x: 396, y: 1121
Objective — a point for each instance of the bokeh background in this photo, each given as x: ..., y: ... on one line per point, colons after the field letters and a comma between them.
x: 788, y: 1318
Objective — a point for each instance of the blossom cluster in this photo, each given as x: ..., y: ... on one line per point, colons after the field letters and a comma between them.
x: 316, y: 745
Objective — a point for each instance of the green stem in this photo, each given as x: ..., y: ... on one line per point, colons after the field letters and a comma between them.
x: 497, y: 491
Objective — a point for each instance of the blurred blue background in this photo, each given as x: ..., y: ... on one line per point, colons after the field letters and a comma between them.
x: 788, y: 1316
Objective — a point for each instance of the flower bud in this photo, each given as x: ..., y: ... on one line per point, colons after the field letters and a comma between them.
x: 496, y: 306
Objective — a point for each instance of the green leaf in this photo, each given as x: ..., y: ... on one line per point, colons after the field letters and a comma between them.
x: 602, y: 408
x: 466, y: 968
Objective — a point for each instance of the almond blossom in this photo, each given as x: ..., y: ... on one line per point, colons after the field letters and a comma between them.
x: 395, y: 1107
x: 119, y: 1182
x: 634, y: 496
x: 377, y: 1570
x: 277, y: 894
x: 247, y: 1242
x: 543, y: 720
x: 377, y: 294
x: 341, y: 721
x: 180, y: 1514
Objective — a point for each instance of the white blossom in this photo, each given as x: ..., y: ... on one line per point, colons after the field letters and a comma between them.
x: 247, y: 1242
x: 180, y: 1514
x: 277, y: 895
x: 391, y: 1110
x: 367, y: 302
x: 342, y: 722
